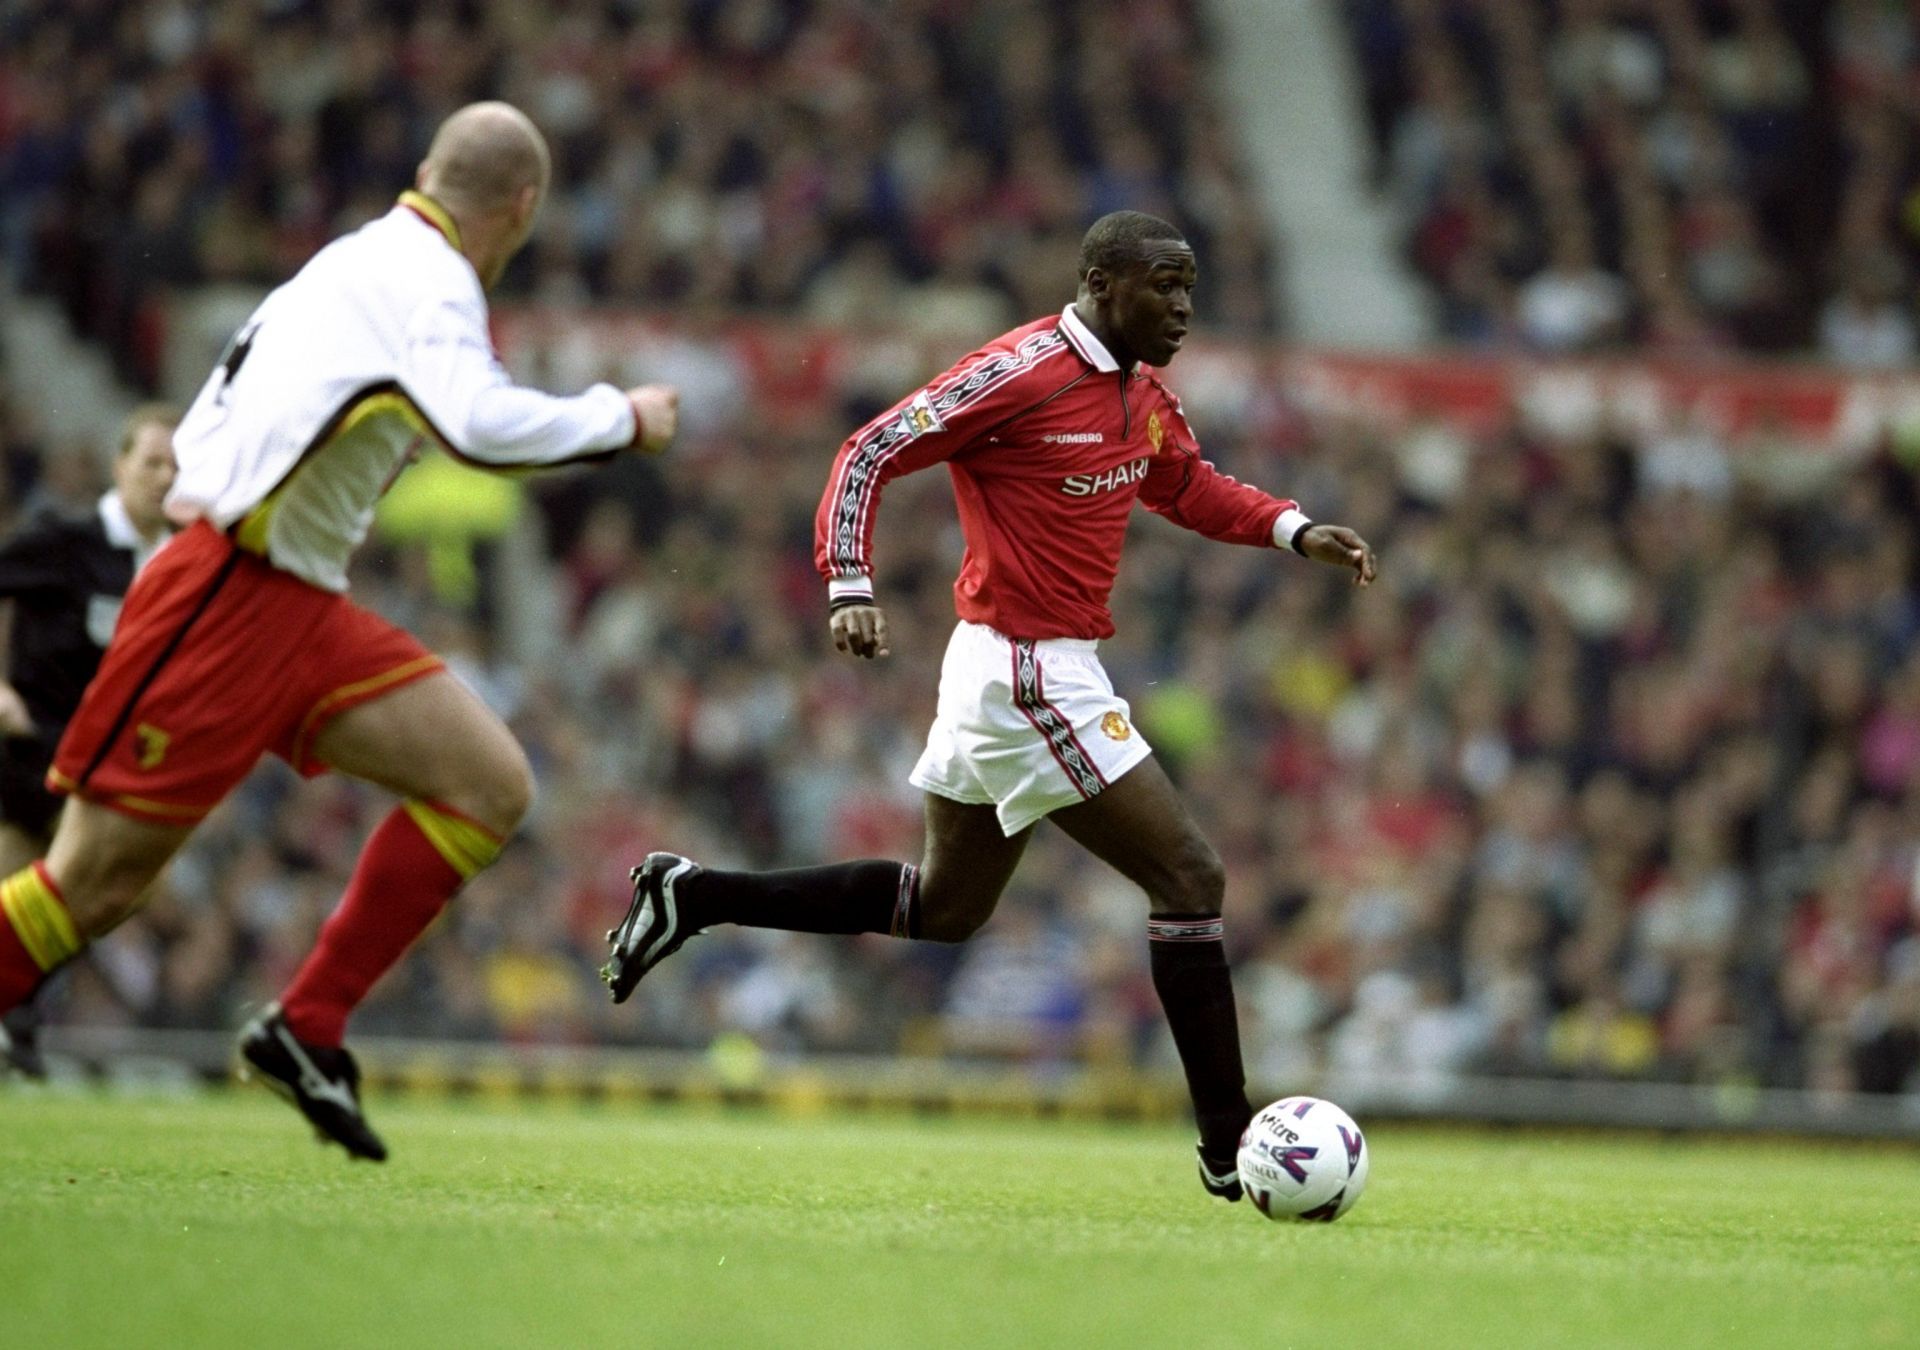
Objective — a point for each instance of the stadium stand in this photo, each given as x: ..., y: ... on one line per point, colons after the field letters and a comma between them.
x: 924, y: 163
x: 1612, y: 777
x: 1691, y: 178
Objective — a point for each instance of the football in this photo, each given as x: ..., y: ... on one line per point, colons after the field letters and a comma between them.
x: 1303, y: 1158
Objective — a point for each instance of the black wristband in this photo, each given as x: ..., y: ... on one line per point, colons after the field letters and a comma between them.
x: 1294, y: 543
x: 840, y: 602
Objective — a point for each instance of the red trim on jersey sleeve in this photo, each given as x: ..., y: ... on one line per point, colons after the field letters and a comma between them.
x: 928, y: 427
x: 1191, y: 493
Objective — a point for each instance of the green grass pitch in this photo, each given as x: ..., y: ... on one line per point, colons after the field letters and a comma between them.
x: 217, y: 1222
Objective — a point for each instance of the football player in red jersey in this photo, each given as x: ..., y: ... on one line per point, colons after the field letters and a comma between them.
x: 1051, y: 432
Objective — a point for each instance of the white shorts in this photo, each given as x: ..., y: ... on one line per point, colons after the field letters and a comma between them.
x: 1027, y: 726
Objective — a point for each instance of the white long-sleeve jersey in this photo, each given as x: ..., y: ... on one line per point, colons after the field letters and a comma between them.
x: 377, y: 347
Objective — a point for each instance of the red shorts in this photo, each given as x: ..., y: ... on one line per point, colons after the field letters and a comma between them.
x: 219, y: 657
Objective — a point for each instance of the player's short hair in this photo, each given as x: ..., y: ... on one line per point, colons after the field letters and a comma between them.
x: 146, y: 415
x: 484, y: 154
x: 1115, y: 240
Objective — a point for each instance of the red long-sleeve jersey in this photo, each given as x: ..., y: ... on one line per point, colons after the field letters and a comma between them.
x: 1049, y: 442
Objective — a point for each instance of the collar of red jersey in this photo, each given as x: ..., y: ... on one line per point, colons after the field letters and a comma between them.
x: 1092, y: 350
x: 433, y: 213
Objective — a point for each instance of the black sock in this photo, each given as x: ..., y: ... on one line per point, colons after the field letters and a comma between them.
x: 851, y: 897
x: 1190, y: 975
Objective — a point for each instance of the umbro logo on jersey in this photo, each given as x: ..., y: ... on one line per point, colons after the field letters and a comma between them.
x: 1076, y: 438
x: 1087, y: 484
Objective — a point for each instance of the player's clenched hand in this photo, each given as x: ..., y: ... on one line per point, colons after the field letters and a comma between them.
x: 1340, y: 546
x: 860, y: 630
x: 656, y: 414
x: 15, y: 720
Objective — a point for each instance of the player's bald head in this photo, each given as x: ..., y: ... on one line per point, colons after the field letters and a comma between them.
x: 483, y: 157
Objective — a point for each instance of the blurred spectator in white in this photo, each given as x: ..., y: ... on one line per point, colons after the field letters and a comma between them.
x: 1863, y: 327
x: 1573, y: 304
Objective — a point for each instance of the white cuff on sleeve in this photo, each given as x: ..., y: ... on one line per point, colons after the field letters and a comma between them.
x: 849, y: 589
x: 1287, y: 525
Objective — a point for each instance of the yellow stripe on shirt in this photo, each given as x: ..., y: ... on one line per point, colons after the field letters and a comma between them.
x: 252, y: 531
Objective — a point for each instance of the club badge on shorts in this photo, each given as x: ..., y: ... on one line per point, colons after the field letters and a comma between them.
x: 1115, y: 727
x: 153, y: 744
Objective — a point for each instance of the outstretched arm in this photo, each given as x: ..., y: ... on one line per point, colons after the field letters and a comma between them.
x: 1192, y: 493
x: 453, y: 374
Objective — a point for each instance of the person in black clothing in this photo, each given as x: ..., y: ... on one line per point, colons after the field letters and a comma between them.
x: 62, y: 578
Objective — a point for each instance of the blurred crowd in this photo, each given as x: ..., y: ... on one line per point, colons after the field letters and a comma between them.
x: 1613, y: 774
x: 1691, y: 176
x: 930, y: 163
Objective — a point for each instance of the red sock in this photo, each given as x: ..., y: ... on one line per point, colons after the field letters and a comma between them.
x: 20, y: 974
x: 412, y: 865
x: 37, y: 933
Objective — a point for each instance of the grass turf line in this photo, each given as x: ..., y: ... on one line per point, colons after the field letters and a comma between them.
x: 217, y: 1221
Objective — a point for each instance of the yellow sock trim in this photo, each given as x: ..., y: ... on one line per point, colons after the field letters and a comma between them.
x: 466, y: 846
x: 44, y: 927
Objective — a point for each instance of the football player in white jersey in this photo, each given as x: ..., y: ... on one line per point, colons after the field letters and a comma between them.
x: 239, y: 639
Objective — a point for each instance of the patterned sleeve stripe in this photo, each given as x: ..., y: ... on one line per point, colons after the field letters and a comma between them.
x: 884, y: 438
x: 1030, y: 697
x: 1186, y: 930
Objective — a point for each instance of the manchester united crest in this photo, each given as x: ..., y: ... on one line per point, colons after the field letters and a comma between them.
x: 1115, y: 726
x: 1154, y: 430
